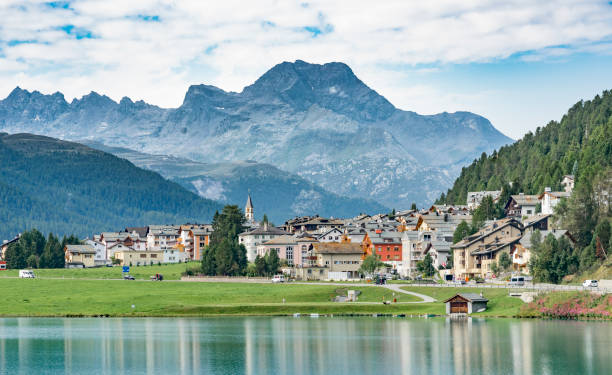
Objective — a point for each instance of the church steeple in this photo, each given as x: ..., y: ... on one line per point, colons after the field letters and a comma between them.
x: 248, y: 210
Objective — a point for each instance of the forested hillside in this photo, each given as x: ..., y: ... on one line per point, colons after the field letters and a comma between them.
x: 580, y: 144
x: 67, y: 188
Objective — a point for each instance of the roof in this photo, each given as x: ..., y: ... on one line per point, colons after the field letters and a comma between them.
x: 338, y: 248
x: 496, y: 245
x: 249, y: 203
x: 200, y: 231
x: 526, y: 239
x: 141, y: 231
x: 471, y: 297
x: 265, y: 229
x: 379, y: 238
x: 556, y: 194
x: 164, y: 230
x: 80, y: 249
x: 486, y: 231
x: 526, y: 200
x: 535, y: 219
x: 282, y: 240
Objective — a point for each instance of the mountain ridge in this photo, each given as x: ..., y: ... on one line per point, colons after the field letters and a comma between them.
x: 320, y: 122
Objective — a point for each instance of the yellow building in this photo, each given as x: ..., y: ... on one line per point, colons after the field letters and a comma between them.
x: 475, y: 254
x: 79, y: 256
x: 139, y: 258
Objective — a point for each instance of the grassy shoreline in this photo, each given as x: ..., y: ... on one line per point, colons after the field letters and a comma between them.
x: 94, y: 293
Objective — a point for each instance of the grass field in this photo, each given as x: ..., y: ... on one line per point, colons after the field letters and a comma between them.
x: 500, y: 303
x: 170, y: 272
x: 80, y: 297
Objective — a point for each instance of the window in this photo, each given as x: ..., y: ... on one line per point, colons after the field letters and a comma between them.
x: 143, y: 255
x: 153, y: 255
x: 396, y: 248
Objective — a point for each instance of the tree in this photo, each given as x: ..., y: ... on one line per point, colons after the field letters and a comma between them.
x: 265, y: 219
x: 413, y: 206
x: 32, y: 261
x: 463, y: 230
x: 504, y: 261
x: 272, y: 262
x: 370, y: 265
x: 225, y: 255
x: 15, y: 256
x: 260, y: 265
x: 426, y: 266
x: 486, y: 211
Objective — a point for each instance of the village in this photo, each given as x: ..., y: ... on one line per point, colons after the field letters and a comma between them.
x: 317, y: 248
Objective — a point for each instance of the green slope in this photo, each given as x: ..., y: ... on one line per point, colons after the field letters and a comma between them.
x: 65, y: 187
x: 581, y: 144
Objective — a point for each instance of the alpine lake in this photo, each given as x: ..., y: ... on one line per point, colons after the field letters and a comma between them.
x: 303, y: 345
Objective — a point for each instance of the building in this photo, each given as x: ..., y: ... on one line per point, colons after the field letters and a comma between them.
x: 549, y: 199
x: 139, y: 258
x: 466, y: 303
x: 163, y: 237
x: 474, y: 255
x: 297, y: 251
x: 79, y: 256
x: 387, y: 245
x: 114, y: 241
x: 410, y: 254
x: 521, y: 205
x: 253, y: 238
x: 342, y: 260
x: 6, y: 244
x: 568, y: 183
x: 100, y: 256
x: 439, y: 252
x: 193, y: 239
x: 522, y: 251
x: 474, y: 198
x: 330, y: 235
x: 314, y: 224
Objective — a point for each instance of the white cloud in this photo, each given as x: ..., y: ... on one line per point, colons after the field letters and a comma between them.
x: 230, y: 43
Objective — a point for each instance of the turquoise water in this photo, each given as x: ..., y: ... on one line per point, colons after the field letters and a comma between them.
x: 259, y: 345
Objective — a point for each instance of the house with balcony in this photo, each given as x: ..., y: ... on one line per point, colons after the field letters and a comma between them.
x: 296, y: 250
x: 474, y: 255
x: 549, y: 199
x: 521, y: 205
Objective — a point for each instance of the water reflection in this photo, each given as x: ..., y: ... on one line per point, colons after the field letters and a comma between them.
x: 304, y: 346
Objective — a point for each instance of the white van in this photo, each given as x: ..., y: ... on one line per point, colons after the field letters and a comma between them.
x: 517, y: 281
x: 278, y: 279
x: 26, y: 274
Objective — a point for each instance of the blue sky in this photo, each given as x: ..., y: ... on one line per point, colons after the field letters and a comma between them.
x: 519, y: 63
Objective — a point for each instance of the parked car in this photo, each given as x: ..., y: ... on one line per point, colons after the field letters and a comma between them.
x: 278, y: 279
x: 460, y: 282
x: 26, y: 274
x: 517, y: 281
x: 590, y: 284
x: 128, y: 277
x: 108, y: 264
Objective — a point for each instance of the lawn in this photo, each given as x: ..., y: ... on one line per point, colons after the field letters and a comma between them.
x: 79, y: 297
x: 170, y: 272
x: 500, y: 303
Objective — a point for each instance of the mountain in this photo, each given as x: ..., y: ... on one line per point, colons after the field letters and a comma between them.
x: 64, y: 188
x: 317, y: 121
x: 278, y: 194
x: 580, y: 144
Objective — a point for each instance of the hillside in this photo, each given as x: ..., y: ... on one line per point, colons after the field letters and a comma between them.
x: 320, y: 122
x: 579, y: 144
x: 279, y: 194
x: 63, y: 187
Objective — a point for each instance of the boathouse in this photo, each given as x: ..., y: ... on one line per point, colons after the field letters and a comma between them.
x: 466, y: 303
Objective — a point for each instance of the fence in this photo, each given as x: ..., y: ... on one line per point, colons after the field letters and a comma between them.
x: 526, y: 287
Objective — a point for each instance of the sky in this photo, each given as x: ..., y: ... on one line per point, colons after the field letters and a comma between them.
x: 518, y: 63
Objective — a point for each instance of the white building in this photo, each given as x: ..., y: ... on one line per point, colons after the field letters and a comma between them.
x: 474, y: 198
x: 100, y: 255
x: 568, y: 183
x: 330, y: 235
x: 162, y: 237
x: 255, y: 237
x: 549, y: 199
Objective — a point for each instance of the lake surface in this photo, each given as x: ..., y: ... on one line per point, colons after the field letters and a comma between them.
x: 260, y: 345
